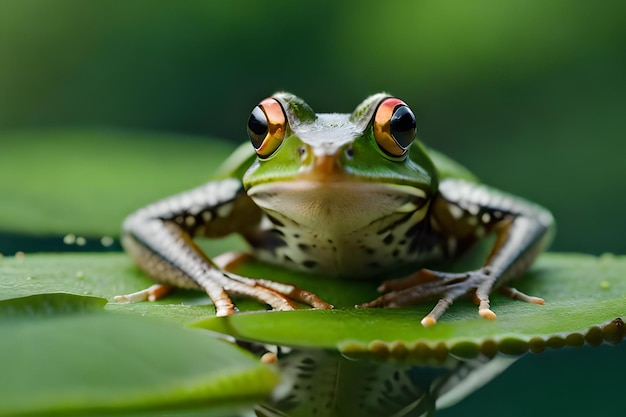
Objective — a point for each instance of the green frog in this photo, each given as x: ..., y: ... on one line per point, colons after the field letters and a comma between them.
x: 346, y: 195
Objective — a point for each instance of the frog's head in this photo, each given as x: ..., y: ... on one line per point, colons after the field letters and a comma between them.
x: 348, y: 170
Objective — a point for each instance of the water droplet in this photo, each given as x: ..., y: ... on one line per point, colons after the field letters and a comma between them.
x: 69, y: 239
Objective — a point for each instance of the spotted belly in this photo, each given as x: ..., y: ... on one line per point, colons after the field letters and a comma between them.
x: 385, y: 245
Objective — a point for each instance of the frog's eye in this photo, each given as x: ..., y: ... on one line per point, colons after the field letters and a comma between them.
x: 394, y: 127
x: 266, y: 127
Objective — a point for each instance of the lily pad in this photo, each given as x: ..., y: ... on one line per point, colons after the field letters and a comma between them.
x: 39, y: 305
x: 585, y: 301
x: 105, y: 362
x: 98, y: 275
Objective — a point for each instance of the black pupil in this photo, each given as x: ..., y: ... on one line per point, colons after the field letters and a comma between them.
x: 257, y: 127
x: 402, y: 126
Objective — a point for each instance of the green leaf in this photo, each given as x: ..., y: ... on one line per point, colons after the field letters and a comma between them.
x: 585, y: 301
x: 87, y: 181
x: 98, y: 275
x: 101, y: 363
x: 48, y: 304
x: 582, y: 294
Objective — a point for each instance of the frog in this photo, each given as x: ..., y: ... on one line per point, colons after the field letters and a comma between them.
x: 346, y: 195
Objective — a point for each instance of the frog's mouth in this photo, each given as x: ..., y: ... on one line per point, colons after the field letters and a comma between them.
x: 336, y: 207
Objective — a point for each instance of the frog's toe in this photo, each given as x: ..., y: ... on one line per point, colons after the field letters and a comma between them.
x: 152, y: 293
x: 296, y: 293
x: 420, y: 277
x: 264, y: 295
x: 431, y: 318
x: 516, y: 294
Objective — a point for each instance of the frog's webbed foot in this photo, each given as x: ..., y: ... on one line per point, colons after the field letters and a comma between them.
x: 426, y: 284
x: 280, y: 296
x: 221, y: 285
x: 277, y: 295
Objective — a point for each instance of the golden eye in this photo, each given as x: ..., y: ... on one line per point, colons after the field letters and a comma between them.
x: 394, y: 127
x: 266, y: 127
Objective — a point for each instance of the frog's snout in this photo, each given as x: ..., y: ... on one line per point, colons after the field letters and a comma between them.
x: 323, y: 166
x: 326, y: 165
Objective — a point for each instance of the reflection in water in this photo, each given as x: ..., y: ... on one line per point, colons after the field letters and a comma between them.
x: 324, y: 383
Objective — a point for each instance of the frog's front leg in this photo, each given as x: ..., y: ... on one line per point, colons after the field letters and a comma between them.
x: 464, y: 212
x: 160, y: 239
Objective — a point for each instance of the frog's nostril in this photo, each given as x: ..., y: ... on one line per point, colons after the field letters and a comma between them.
x: 302, y: 152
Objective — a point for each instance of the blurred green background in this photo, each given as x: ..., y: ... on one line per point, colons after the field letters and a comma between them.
x: 530, y: 95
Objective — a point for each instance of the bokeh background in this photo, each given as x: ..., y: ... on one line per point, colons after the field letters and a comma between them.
x: 529, y: 94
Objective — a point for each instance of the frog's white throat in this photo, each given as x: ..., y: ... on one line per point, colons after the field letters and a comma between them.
x: 337, y: 208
